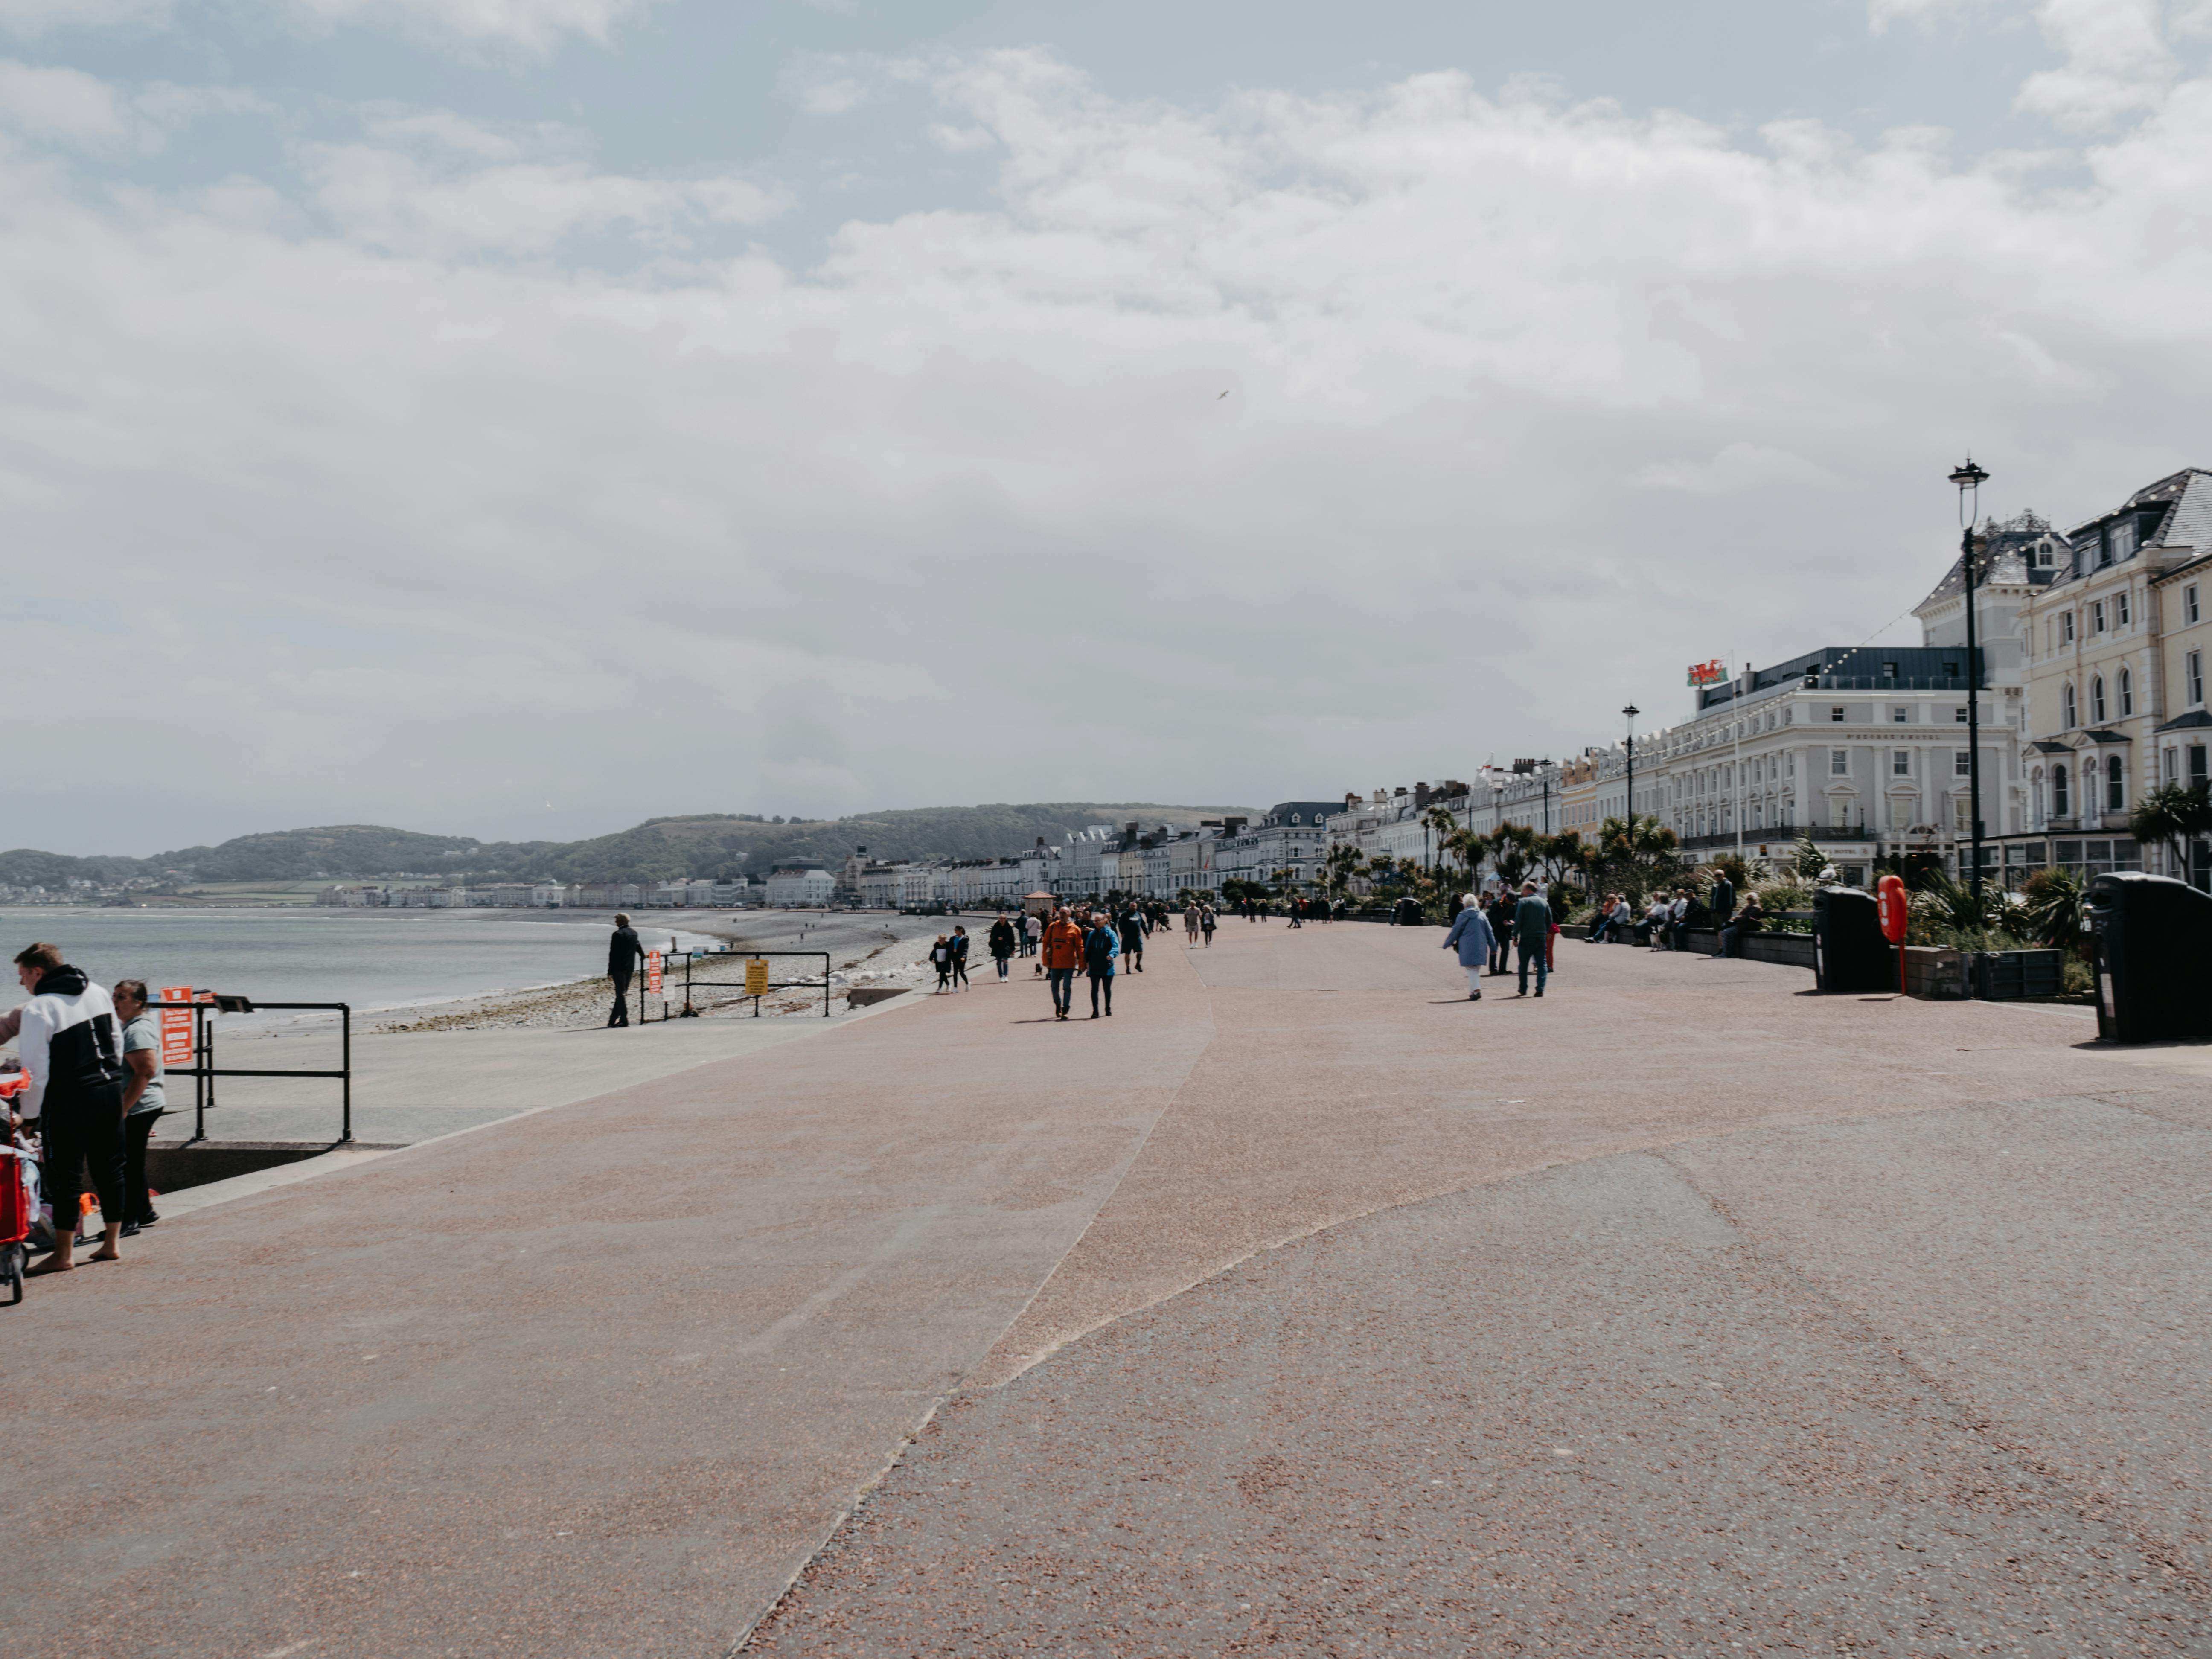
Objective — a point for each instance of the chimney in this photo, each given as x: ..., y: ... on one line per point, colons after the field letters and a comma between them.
x: 1420, y: 796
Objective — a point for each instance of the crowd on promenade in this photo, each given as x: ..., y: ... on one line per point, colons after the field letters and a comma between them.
x: 80, y: 1110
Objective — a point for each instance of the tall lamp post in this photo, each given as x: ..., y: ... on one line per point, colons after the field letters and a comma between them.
x: 1631, y: 711
x: 1969, y: 479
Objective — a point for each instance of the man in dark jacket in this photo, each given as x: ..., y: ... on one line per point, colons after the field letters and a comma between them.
x: 72, y: 1049
x: 1002, y: 942
x: 1720, y: 901
x: 1133, y: 939
x: 1501, y: 933
x: 624, y: 954
x: 1532, y: 932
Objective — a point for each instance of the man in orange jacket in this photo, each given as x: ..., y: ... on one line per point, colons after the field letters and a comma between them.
x: 1063, y: 960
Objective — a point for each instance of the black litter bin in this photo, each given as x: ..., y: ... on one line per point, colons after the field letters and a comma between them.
x: 1407, y: 913
x: 1849, y: 950
x: 2154, y: 957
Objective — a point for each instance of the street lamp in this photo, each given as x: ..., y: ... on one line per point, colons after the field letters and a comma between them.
x: 1969, y: 479
x: 1631, y: 711
x: 1546, y: 766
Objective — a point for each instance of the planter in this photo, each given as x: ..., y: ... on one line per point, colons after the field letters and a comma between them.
x: 1936, y: 972
x: 2016, y: 975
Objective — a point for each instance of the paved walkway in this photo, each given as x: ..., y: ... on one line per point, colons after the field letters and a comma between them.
x: 1646, y: 1319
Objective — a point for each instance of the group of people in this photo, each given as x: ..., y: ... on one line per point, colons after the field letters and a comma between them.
x: 1668, y: 918
x: 1095, y: 944
x: 91, y: 1092
x: 1488, y: 926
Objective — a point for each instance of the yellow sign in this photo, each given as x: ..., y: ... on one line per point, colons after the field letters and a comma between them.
x: 757, y: 977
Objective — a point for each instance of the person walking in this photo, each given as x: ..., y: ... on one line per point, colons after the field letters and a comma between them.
x: 1720, y: 899
x: 1101, y: 945
x: 72, y: 1051
x: 1189, y: 924
x: 1032, y: 932
x: 1133, y: 939
x: 143, y: 1099
x: 940, y: 957
x: 1062, y: 947
x: 624, y: 954
x: 1532, y: 932
x: 1207, y: 919
x: 1501, y: 930
x: 1002, y: 944
x: 1470, y: 937
x: 959, y: 943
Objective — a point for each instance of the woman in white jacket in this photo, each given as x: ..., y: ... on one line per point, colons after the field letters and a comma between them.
x: 71, y: 1047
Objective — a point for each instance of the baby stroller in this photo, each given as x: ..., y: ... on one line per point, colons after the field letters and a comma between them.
x: 16, y: 1210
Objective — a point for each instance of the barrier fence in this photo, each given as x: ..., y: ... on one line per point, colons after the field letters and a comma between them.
x: 755, y: 984
x: 187, y: 1032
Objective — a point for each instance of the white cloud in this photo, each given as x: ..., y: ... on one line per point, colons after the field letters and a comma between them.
x: 392, y: 199
x: 961, y: 514
x: 532, y: 26
x: 59, y: 103
x: 38, y: 17
x: 2116, y: 62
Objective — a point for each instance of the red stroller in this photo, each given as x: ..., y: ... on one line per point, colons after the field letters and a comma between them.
x: 15, y: 1213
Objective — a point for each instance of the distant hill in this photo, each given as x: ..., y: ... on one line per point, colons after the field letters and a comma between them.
x: 711, y: 844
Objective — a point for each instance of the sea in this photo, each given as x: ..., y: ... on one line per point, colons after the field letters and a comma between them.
x: 376, y: 960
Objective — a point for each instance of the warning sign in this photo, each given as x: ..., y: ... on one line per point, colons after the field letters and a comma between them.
x: 176, y: 1027
x: 757, y: 976
x: 652, y: 973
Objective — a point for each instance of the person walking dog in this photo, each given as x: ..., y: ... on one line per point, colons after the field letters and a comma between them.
x: 1470, y: 936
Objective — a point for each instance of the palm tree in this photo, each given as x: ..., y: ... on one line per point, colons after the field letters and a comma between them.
x: 2053, y: 913
x: 2171, y: 816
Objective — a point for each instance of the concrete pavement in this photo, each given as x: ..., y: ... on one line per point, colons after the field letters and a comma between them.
x: 601, y: 1378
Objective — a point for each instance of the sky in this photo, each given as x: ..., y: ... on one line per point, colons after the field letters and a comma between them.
x: 519, y: 417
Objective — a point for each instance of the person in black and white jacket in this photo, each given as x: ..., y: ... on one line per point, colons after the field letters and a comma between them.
x: 72, y: 1049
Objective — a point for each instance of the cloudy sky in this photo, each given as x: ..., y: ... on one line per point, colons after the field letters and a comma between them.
x: 514, y: 417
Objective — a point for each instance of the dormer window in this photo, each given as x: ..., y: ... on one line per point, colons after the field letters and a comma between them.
x: 2045, y: 558
x: 2120, y: 540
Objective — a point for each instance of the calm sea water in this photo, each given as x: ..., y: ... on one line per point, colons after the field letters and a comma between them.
x: 373, y: 959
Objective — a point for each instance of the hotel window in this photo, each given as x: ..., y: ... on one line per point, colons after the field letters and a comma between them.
x: 2121, y: 613
x: 2116, y: 786
x: 1839, y: 762
x: 2192, y: 677
x: 1900, y: 762
x: 2097, y: 617
x: 2066, y: 709
x: 2097, y: 699
x: 1960, y: 714
x: 2172, y: 764
x: 2060, y: 806
x: 1836, y: 713
x: 2123, y: 539
x: 1900, y: 714
x: 2189, y: 602
x: 2066, y: 628
x: 2044, y: 557
x: 1962, y: 764
x: 2127, y: 692
x: 2105, y: 547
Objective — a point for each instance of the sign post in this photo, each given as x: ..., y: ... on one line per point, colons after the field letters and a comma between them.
x: 176, y: 1028
x: 1895, y: 914
x: 756, y: 981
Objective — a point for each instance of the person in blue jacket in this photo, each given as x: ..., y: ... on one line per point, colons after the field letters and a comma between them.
x: 1470, y: 935
x: 1100, y: 946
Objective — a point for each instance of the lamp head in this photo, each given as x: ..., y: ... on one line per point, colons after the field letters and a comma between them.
x: 1967, y: 476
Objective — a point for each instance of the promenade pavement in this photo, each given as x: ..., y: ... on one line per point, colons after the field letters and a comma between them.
x: 1303, y: 1307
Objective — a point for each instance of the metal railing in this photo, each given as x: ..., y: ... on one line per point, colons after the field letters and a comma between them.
x: 204, y: 1071
x: 691, y: 982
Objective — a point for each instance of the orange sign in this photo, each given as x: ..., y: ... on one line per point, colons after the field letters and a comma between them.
x: 176, y: 1027
x: 1707, y: 673
x: 652, y: 973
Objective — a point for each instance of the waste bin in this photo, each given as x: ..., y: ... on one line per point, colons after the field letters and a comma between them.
x: 1407, y: 913
x: 2153, y: 937
x: 1849, y: 953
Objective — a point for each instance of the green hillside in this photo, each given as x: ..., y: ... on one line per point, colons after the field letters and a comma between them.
x: 708, y: 844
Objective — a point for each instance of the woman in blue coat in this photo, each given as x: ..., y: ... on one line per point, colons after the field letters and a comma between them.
x: 1101, y: 946
x: 1471, y: 936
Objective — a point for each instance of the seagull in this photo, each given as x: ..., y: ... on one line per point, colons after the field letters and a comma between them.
x: 1223, y: 395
